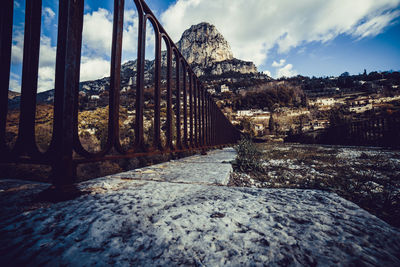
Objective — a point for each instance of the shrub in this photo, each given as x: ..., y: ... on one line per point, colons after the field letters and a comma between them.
x: 248, y: 156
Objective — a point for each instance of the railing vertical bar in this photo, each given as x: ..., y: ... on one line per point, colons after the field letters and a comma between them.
x: 139, y: 141
x: 6, y: 25
x: 115, y: 77
x: 206, y: 117
x: 169, y: 98
x: 69, y: 41
x: 157, y: 93
x: 212, y: 122
x: 26, y: 132
x: 191, y: 108
x: 195, y: 96
x: 199, y: 114
x: 185, y: 126
x: 203, y: 110
x: 220, y: 126
x: 208, y: 120
x: 178, y: 103
x: 216, y: 124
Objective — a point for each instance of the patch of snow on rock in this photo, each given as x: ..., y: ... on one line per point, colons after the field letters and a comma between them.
x: 151, y: 223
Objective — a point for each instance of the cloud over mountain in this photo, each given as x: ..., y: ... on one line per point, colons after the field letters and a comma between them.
x: 254, y: 27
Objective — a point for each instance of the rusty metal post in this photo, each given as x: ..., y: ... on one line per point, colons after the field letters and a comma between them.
x: 203, y: 115
x: 66, y: 87
x: 157, y: 93
x: 26, y: 132
x: 169, y: 98
x: 199, y: 114
x: 6, y: 19
x: 195, y: 113
x: 115, y: 77
x: 185, y: 126
x: 139, y: 140
x: 178, y: 103
x: 191, y: 109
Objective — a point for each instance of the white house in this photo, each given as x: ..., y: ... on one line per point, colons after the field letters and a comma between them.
x: 323, y: 102
x: 94, y: 97
x: 243, y: 113
x: 224, y: 88
x: 249, y: 113
x: 361, y: 109
x: 131, y: 80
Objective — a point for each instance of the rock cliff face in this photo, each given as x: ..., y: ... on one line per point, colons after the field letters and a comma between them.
x: 207, y: 51
x: 202, y: 44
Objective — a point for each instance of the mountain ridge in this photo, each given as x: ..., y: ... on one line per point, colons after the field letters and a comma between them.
x: 203, y: 47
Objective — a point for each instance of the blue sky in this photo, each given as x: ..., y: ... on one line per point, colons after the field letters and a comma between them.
x: 283, y: 38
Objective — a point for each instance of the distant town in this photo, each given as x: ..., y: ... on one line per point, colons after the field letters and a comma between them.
x: 290, y: 105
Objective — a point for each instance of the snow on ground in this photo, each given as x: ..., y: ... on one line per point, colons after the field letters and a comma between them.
x: 124, y: 221
x: 131, y: 222
x: 213, y: 168
x: 368, y: 176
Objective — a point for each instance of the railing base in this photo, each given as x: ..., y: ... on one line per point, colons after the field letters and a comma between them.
x: 56, y: 194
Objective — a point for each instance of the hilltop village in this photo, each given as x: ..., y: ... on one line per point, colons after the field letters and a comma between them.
x: 300, y: 104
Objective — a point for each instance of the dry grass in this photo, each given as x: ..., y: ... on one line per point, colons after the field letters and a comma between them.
x: 369, y: 177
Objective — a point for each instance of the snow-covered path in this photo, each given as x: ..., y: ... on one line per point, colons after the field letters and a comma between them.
x: 125, y: 221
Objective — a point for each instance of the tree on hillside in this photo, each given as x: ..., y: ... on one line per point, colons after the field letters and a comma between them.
x: 271, y: 123
x: 345, y: 74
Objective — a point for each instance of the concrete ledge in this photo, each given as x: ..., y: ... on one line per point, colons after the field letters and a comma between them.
x: 177, y: 213
x: 127, y: 222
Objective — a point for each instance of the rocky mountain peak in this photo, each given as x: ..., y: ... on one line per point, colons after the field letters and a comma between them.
x: 202, y: 44
x: 207, y: 51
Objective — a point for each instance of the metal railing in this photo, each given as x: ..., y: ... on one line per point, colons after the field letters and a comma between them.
x: 379, y: 131
x: 204, y: 125
x: 383, y: 131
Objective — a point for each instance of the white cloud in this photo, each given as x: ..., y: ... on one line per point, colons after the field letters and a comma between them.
x: 47, y: 59
x: 130, y: 41
x: 254, y: 27
x: 286, y: 71
x: 15, y: 82
x: 97, y: 33
x: 17, y: 47
x: 97, y: 41
x: 47, y: 55
x: 375, y: 25
x: 47, y: 64
x: 48, y: 15
x: 267, y: 72
x: 94, y: 68
x: 46, y: 78
x: 278, y: 64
